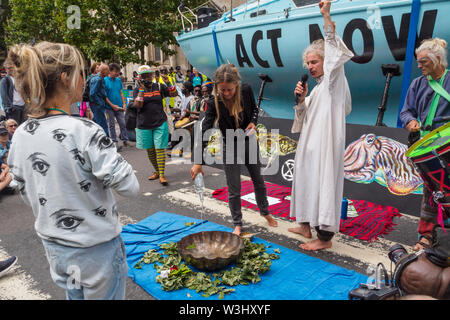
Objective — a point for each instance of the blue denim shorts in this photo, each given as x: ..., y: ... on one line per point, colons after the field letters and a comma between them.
x: 95, y: 273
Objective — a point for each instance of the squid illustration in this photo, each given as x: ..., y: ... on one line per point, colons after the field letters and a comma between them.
x: 381, y: 159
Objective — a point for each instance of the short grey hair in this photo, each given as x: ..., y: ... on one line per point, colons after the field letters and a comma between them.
x: 435, y: 48
x: 316, y: 47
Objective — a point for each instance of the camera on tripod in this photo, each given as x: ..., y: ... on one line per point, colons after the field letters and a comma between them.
x: 425, y: 272
x: 379, y: 290
x: 376, y: 291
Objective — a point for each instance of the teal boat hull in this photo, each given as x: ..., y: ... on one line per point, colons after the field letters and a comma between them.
x: 273, y: 44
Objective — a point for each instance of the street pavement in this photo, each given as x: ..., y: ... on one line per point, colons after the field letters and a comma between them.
x: 30, y: 278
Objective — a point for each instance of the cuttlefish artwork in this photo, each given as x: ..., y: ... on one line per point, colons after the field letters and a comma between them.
x: 381, y: 159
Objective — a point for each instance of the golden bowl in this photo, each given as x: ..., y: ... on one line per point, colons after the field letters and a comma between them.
x: 210, y: 250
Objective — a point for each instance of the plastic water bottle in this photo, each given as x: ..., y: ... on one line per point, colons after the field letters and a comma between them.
x: 199, y: 186
x: 344, y: 208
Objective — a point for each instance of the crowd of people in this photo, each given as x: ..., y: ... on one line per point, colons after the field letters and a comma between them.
x: 82, y: 227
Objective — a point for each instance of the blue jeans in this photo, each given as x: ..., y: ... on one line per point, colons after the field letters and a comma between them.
x: 99, y: 117
x: 94, y: 273
x: 120, y: 116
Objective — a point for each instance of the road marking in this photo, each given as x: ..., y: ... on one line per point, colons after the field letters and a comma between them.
x: 368, y: 253
x: 17, y: 285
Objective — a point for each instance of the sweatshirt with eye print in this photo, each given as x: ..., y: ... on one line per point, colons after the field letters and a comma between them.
x: 65, y: 168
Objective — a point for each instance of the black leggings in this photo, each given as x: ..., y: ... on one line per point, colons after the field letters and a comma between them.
x: 233, y: 177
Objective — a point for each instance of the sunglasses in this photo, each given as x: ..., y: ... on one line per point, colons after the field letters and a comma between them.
x: 13, y: 126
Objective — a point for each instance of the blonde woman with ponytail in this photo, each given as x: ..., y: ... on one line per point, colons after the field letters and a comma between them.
x: 65, y: 168
x: 233, y: 107
x: 425, y: 107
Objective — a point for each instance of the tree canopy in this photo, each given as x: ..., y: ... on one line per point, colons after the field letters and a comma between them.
x: 104, y: 30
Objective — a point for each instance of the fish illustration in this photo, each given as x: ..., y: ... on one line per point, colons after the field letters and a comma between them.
x: 213, y: 147
x: 381, y: 159
x: 273, y: 143
x: 270, y: 144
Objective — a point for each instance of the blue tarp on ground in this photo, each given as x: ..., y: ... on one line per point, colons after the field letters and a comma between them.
x: 295, y: 276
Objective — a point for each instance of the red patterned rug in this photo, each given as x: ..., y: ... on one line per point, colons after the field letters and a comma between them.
x: 372, y: 220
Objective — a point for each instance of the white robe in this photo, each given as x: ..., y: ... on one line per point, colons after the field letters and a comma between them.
x: 318, y: 184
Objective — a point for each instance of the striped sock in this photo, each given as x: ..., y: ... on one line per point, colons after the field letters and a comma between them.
x: 152, y: 157
x: 161, y: 160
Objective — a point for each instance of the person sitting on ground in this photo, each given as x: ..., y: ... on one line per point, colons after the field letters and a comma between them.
x: 186, y: 105
x: 207, y: 89
x: 5, y: 180
x: 4, y: 145
x: 11, y: 125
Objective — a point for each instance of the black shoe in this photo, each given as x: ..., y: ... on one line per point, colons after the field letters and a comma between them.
x: 6, y: 265
x: 125, y: 144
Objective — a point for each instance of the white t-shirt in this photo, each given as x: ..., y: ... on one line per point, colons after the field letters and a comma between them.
x: 17, y: 99
x: 65, y: 168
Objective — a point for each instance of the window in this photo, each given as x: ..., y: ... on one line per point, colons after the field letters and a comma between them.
x: 303, y: 3
x: 157, y: 54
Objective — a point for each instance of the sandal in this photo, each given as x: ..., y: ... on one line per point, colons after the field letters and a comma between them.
x: 163, y: 181
x: 154, y: 176
x: 424, y: 244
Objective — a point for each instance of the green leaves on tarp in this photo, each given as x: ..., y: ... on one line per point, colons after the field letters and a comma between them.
x: 174, y: 274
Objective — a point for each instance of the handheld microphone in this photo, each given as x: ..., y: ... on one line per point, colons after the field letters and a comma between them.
x: 304, y: 80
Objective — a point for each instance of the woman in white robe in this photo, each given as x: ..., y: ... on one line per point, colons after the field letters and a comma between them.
x: 319, y: 161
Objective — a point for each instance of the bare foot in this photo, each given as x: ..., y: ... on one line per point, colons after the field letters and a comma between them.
x: 237, y: 230
x: 303, y: 230
x: 271, y: 221
x: 316, y: 245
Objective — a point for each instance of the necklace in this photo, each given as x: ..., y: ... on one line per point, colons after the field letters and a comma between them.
x: 56, y: 109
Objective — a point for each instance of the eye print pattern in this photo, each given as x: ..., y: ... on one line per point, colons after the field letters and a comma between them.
x: 59, y: 135
x: 38, y: 164
x: 42, y: 200
x: 80, y: 159
x: 87, y: 123
x: 85, y: 185
x: 100, y: 211
x: 21, y: 182
x: 78, y: 156
x: 32, y: 126
x: 115, y: 212
x: 65, y: 220
x: 101, y: 141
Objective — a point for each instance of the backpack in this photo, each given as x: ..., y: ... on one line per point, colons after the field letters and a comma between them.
x: 86, y: 90
x: 130, y: 116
